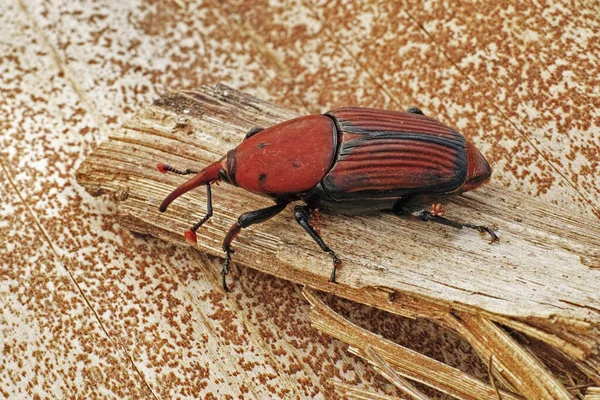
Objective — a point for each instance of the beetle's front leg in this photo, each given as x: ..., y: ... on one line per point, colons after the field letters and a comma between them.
x: 244, y: 221
x: 428, y: 216
x: 190, y: 235
x: 303, y: 214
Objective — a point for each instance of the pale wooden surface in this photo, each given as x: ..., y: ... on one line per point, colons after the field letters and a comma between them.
x: 516, y: 282
x: 540, y: 269
x: 87, y: 309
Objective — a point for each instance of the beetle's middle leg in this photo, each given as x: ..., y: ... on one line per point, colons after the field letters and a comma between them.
x: 428, y: 216
x: 244, y: 221
x: 303, y: 214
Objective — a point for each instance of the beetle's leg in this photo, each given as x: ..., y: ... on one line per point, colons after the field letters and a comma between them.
x: 427, y: 216
x: 244, y: 221
x: 164, y: 168
x: 190, y: 235
x: 253, y: 132
x: 303, y: 214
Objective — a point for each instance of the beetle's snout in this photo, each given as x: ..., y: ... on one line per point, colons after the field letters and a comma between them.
x: 479, y: 171
x: 204, y: 177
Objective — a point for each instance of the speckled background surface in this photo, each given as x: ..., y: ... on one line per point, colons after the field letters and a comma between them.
x: 90, y: 310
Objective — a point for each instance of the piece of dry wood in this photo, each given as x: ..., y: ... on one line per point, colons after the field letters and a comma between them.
x: 529, y: 376
x: 388, y: 372
x: 406, y: 362
x: 592, y: 393
x: 541, y: 279
x: 354, y: 393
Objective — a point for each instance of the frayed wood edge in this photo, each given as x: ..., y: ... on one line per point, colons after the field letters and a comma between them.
x: 123, y: 167
x: 354, y: 393
x: 492, y: 379
x: 388, y: 373
x: 592, y: 393
x: 404, y: 362
x: 519, y: 366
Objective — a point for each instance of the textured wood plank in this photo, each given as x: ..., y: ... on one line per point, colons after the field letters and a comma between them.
x: 201, y: 126
x: 538, y: 273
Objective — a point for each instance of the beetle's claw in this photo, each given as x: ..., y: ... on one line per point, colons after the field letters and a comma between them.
x: 224, y: 281
x: 225, y: 270
x: 484, y: 229
x: 336, y: 264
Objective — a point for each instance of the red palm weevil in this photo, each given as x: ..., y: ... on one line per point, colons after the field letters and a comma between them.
x: 350, y: 160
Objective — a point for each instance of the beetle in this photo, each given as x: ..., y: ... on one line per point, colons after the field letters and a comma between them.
x: 349, y: 160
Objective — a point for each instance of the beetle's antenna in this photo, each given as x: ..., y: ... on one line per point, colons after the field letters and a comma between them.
x: 164, y: 168
x: 204, y: 177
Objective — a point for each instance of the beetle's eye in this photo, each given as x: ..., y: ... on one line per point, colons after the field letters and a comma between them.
x: 223, y: 176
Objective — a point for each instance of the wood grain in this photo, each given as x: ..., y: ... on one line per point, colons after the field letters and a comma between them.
x: 537, y: 276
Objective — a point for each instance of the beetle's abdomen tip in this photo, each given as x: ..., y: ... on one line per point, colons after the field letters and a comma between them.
x: 479, y: 170
x: 162, y: 168
x: 482, y: 168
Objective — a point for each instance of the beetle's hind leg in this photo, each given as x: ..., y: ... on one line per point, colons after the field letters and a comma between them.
x: 303, y: 214
x: 429, y: 216
x: 244, y: 221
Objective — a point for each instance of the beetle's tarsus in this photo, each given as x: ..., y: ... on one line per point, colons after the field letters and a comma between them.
x: 190, y: 235
x: 485, y: 229
x: 225, y: 270
x: 336, y: 263
x: 303, y: 214
x: 437, y: 210
x: 244, y: 221
x: 427, y: 216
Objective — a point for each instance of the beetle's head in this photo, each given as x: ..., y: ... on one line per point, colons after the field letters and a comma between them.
x: 478, y: 172
x: 217, y: 171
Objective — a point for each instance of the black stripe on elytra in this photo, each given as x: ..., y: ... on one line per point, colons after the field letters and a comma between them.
x: 456, y: 143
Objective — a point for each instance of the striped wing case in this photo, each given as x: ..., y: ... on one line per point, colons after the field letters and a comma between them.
x: 390, y: 154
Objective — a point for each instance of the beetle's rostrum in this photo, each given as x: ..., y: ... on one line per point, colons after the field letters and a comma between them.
x: 350, y: 160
